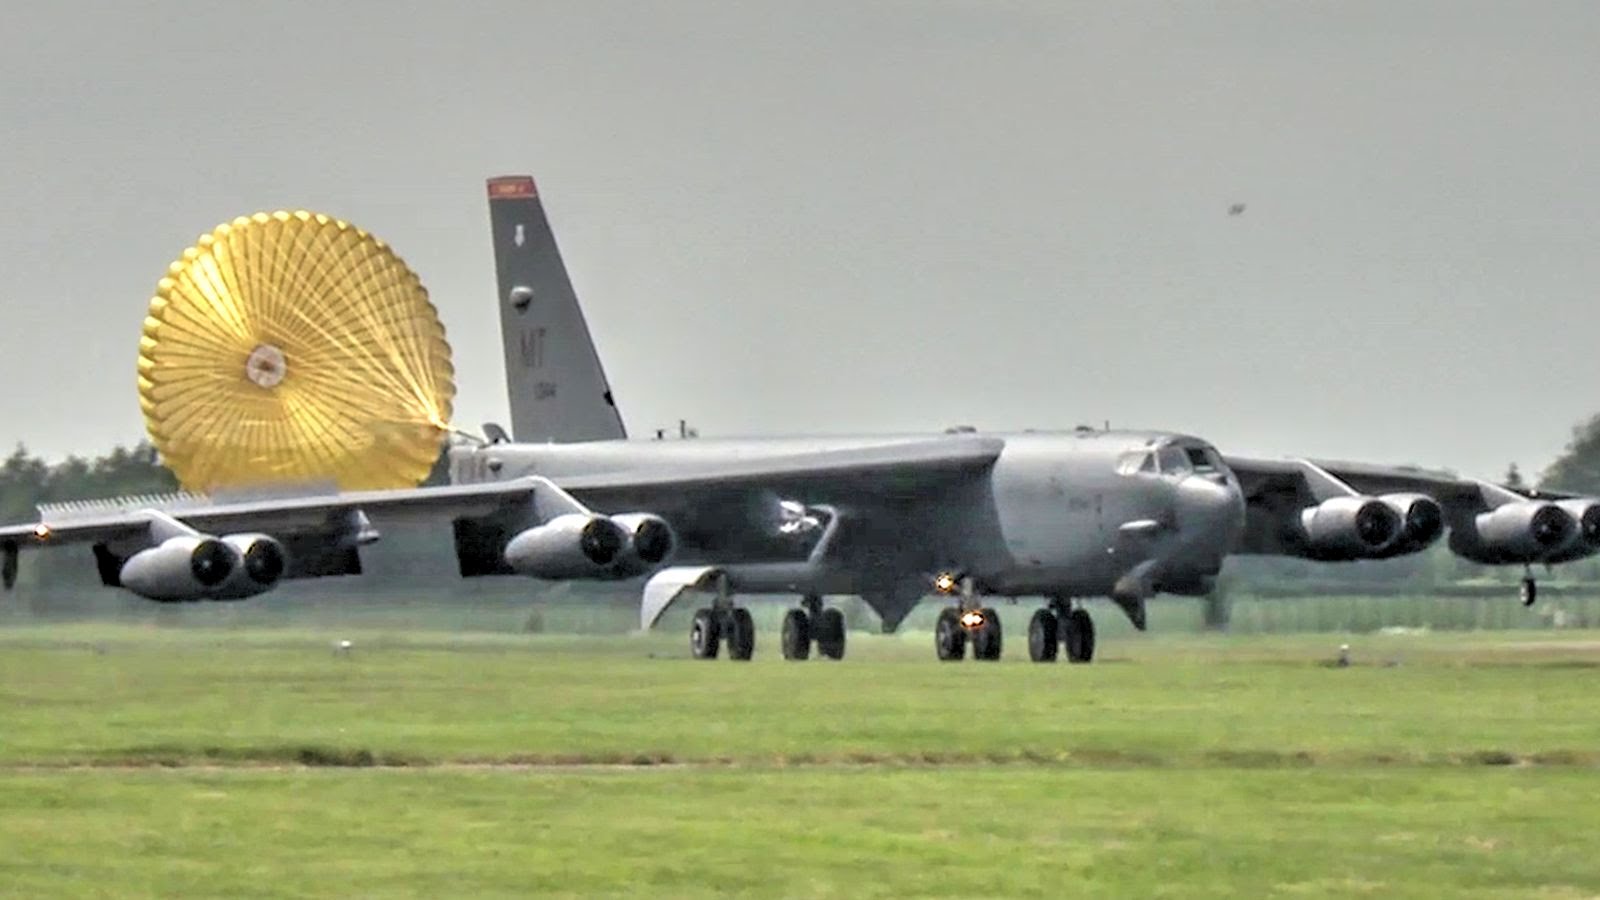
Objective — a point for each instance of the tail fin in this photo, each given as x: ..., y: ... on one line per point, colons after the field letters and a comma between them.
x: 557, y: 386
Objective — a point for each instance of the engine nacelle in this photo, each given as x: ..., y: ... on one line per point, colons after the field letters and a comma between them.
x: 651, y: 542
x: 187, y: 567
x: 1586, y: 537
x: 1527, y: 531
x: 1421, y: 523
x: 1344, y: 528
x: 259, y: 562
x: 570, y: 546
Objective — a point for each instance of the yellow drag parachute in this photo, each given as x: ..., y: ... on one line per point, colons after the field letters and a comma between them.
x: 293, y: 348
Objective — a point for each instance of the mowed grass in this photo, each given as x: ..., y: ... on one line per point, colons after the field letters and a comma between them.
x: 163, y: 762
x: 960, y: 831
x: 110, y: 696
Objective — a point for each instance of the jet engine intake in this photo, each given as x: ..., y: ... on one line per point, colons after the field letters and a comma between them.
x: 1527, y: 531
x: 260, y: 562
x: 1586, y: 537
x: 1344, y: 528
x: 1421, y: 523
x: 651, y: 541
x: 574, y: 545
x: 186, y: 567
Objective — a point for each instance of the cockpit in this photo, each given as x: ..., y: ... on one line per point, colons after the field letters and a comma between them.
x: 1172, y: 459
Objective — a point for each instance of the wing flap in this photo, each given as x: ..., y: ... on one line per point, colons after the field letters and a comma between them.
x: 862, y: 476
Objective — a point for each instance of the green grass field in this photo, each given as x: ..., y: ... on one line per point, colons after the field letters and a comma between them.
x: 146, y: 761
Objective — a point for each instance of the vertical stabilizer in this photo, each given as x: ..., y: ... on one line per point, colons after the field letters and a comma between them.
x: 557, y: 386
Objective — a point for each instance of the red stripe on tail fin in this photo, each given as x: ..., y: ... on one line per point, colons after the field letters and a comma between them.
x: 508, y: 186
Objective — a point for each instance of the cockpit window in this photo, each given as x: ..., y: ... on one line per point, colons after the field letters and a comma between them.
x: 1204, y: 459
x: 1173, y: 460
x: 1132, y: 463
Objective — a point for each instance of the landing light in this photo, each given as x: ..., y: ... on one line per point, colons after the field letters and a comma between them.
x: 41, y: 531
x: 945, y: 583
x: 972, y: 618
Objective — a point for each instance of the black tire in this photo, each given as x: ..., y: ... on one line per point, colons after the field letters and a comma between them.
x: 1529, y: 592
x: 830, y: 634
x: 796, y: 638
x: 1077, y: 633
x: 741, y: 631
x: 949, y: 638
x: 1044, y: 641
x: 988, y: 640
x: 704, y: 635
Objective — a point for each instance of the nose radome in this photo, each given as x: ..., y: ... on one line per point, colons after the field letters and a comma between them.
x: 1210, y: 506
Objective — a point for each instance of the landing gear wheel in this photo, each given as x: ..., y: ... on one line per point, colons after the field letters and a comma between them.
x: 987, y: 639
x: 830, y: 634
x: 1044, y: 641
x: 796, y: 639
x: 949, y: 638
x: 1077, y: 632
x: 1529, y: 592
x: 704, y: 635
x: 741, y: 631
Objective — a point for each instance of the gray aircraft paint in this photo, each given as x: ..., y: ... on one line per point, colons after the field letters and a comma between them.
x: 1044, y: 519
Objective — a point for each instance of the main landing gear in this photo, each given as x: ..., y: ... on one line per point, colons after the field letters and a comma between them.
x: 958, y: 627
x: 725, y: 626
x: 721, y: 624
x: 966, y: 623
x: 716, y: 626
x: 811, y: 623
x: 1061, y: 625
x: 1529, y: 592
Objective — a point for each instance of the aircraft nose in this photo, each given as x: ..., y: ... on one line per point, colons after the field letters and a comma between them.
x: 1211, y: 510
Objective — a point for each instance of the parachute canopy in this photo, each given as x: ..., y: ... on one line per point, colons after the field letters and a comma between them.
x: 293, y: 348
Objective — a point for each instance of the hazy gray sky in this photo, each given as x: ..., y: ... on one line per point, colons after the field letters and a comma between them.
x: 794, y: 217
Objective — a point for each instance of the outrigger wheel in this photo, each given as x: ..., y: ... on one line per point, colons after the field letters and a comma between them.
x: 293, y: 348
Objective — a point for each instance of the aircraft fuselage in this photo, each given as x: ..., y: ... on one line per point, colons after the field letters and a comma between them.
x: 1068, y: 514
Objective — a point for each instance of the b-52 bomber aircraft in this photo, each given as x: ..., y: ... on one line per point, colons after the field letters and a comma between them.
x: 1061, y: 516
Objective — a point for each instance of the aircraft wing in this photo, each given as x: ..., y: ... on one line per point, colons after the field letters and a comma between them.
x: 890, y: 471
x: 1260, y: 477
x: 128, y: 518
x: 1277, y: 490
x: 312, y: 524
x: 878, y: 501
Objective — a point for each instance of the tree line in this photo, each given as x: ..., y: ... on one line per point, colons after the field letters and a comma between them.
x: 27, y: 480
